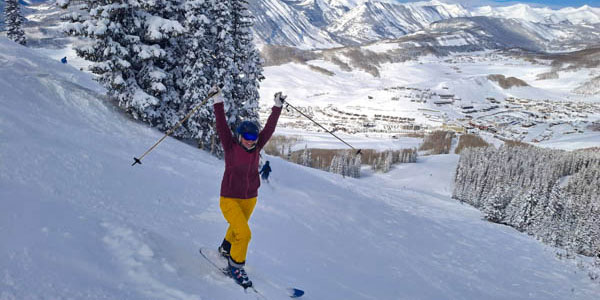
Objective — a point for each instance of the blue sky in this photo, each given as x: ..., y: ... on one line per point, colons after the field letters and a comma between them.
x: 550, y: 3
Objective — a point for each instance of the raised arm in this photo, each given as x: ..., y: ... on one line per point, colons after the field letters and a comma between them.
x: 267, y: 132
x: 222, y: 129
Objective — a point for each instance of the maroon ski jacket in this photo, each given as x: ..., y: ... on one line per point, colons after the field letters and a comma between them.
x: 241, y: 179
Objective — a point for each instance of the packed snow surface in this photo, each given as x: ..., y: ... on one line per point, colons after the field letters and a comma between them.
x: 78, y: 222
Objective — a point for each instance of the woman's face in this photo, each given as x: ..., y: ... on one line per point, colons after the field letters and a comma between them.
x: 248, y: 144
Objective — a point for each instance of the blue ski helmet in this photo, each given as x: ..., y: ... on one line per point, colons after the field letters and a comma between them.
x: 248, y: 130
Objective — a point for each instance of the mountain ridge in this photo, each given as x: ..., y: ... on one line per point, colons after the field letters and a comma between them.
x: 359, y: 22
x: 322, y: 24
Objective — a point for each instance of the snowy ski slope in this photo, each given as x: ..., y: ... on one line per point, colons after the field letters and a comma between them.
x: 78, y: 222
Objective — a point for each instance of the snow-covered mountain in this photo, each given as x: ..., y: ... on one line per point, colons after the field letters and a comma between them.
x: 479, y: 33
x: 335, y: 23
x: 582, y: 15
x: 290, y: 23
x: 300, y: 23
x: 376, y: 20
x: 323, y: 12
x: 323, y: 23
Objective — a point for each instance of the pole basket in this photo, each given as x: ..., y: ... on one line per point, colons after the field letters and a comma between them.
x: 136, y: 161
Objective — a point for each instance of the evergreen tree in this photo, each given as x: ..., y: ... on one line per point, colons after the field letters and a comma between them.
x: 247, y: 69
x: 223, y: 60
x: 520, y: 211
x: 196, y: 73
x: 551, y: 220
x: 112, y: 50
x: 132, y: 50
x: 306, y: 157
x: 387, y: 162
x: 336, y: 165
x: 356, y: 166
x: 161, y: 74
x: 158, y: 59
x: 494, y: 207
x: 14, y: 21
x: 551, y: 194
x: 344, y: 165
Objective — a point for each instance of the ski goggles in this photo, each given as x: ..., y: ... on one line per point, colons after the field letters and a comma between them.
x: 250, y: 136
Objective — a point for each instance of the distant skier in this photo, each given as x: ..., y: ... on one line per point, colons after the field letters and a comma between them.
x: 239, y: 187
x: 266, y: 169
x: 63, y: 60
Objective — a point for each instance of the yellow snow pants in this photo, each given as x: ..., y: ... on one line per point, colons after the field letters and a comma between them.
x: 237, y: 212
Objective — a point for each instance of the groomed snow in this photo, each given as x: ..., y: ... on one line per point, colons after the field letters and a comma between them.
x: 78, y: 222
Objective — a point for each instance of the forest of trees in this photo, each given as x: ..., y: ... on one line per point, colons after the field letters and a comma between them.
x: 158, y: 59
x: 553, y: 195
x: 348, y: 162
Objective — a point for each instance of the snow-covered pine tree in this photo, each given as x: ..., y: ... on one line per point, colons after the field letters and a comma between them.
x: 247, y: 69
x: 387, y: 162
x: 547, y: 222
x: 160, y: 74
x: 551, y: 194
x: 495, y: 204
x: 111, y: 48
x: 332, y: 164
x: 375, y: 162
x: 223, y: 60
x: 356, y: 165
x: 14, y: 22
x: 306, y: 157
x: 519, y: 213
x: 336, y: 165
x: 158, y: 69
x: 196, y: 72
x: 345, y: 164
x: 132, y: 49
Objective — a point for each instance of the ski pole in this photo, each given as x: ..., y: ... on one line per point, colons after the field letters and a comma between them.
x: 139, y: 160
x: 289, y: 105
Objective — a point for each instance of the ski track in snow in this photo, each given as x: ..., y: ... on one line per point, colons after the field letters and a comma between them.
x: 136, y: 256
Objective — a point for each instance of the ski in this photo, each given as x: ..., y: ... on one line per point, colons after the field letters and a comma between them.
x: 206, y: 253
x: 219, y: 263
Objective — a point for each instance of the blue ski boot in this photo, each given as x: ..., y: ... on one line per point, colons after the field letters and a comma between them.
x: 239, y: 275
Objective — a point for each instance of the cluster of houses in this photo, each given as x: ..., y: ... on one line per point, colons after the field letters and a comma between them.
x: 515, y: 116
x: 414, y: 94
x: 509, y: 118
x: 351, y: 121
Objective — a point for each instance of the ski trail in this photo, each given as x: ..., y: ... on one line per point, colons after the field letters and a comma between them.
x: 262, y: 288
x: 138, y: 261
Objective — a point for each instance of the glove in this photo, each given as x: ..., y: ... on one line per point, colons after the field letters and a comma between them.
x: 216, y: 91
x: 279, y: 99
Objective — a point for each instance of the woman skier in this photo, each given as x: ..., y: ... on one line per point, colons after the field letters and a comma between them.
x: 239, y: 187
